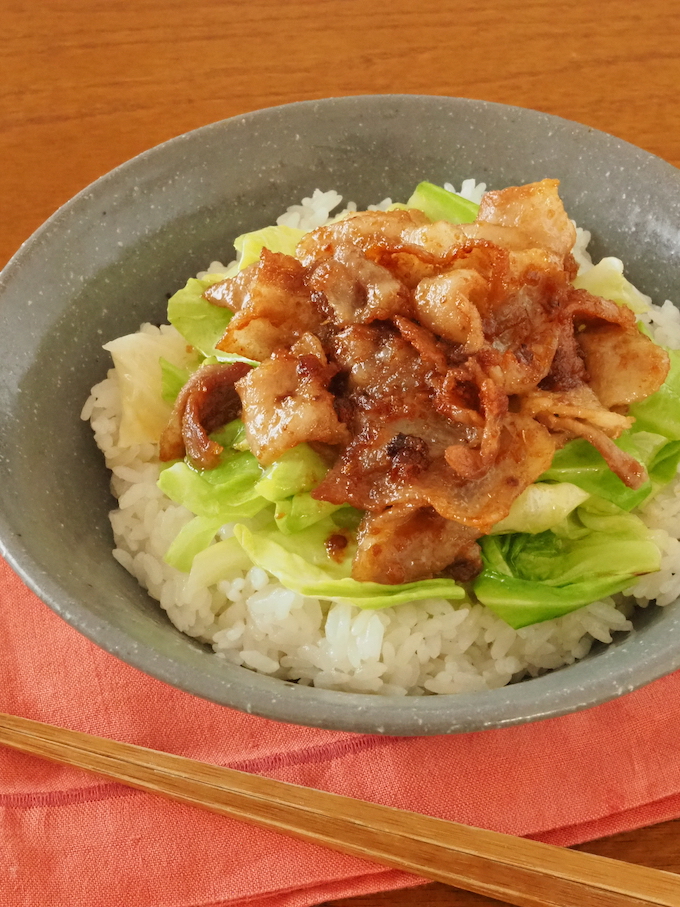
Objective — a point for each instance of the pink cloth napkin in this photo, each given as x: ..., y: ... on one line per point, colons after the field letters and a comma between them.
x: 68, y: 837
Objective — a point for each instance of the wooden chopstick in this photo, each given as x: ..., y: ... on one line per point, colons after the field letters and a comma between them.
x: 516, y: 870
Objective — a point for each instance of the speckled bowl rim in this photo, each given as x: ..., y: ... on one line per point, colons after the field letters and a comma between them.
x: 591, y: 682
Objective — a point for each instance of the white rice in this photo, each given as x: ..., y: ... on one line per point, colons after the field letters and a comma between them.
x: 415, y: 649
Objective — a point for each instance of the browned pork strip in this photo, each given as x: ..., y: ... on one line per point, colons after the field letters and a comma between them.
x: 525, y: 451
x: 404, y: 544
x: 274, y: 307
x: 286, y: 401
x: 520, y: 320
x: 351, y: 288
x: 379, y: 362
x: 457, y: 397
x: 567, y: 369
x: 602, y: 364
x: 405, y: 242
x: 232, y: 292
x: 368, y: 231
x: 392, y: 458
x: 373, y: 473
x: 623, y: 365
x: 578, y: 403
x: 586, y: 310
x: 579, y: 414
x: 466, y: 457
x: 446, y: 305
x: 391, y: 398
x: 579, y: 315
x: 434, y: 353
x: 536, y: 210
x: 631, y: 472
x: 206, y: 402
x: 492, y: 405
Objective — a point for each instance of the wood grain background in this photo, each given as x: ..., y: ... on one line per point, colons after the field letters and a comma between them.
x: 87, y: 84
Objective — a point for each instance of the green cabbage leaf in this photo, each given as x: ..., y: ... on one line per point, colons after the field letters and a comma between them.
x: 440, y: 204
x: 228, y: 490
x: 580, y: 464
x: 300, y: 511
x: 276, y: 239
x: 540, y: 507
x: 173, y: 379
x: 598, y: 550
x: 297, y: 470
x: 660, y: 413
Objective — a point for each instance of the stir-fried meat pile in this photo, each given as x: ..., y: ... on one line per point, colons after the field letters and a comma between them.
x: 439, y: 366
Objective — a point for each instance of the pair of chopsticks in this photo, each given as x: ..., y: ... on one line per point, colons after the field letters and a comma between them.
x: 521, y: 872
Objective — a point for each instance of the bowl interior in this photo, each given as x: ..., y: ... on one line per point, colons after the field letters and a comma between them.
x: 110, y: 258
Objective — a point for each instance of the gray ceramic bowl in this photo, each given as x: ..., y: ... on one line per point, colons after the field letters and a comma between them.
x: 108, y: 260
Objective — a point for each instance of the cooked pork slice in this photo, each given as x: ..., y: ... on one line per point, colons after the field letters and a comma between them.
x: 423, y: 439
x: 579, y: 316
x: 520, y: 246
x: 309, y: 344
x: 457, y: 397
x: 536, y: 210
x: 520, y: 358
x: 389, y: 387
x: 580, y: 414
x: 586, y: 310
x: 448, y: 306
x: 405, y: 544
x: 525, y: 451
x: 276, y: 308
x: 505, y: 237
x: 369, y: 231
x: 206, y: 402
x: 379, y: 362
x: 408, y: 268
x: 629, y: 470
x: 578, y: 403
x: 405, y: 242
x: 232, y: 292
x: 520, y: 317
x: 470, y: 462
x: 336, y: 291
x: 392, y: 458
x: 567, y: 369
x: 432, y: 351
x: 534, y: 265
x: 440, y: 243
x: 622, y: 364
x: 395, y: 459
x: 602, y: 342
x: 286, y: 401
x: 350, y: 288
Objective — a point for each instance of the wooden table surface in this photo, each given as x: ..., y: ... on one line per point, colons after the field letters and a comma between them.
x: 87, y: 84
